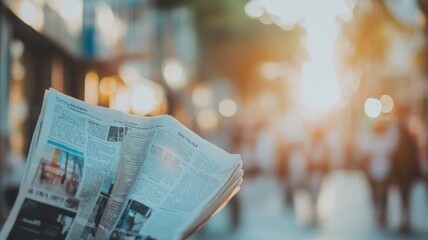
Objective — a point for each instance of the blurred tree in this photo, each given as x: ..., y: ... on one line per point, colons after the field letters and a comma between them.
x: 168, y: 4
x: 422, y: 57
x: 234, y: 46
x: 370, y: 33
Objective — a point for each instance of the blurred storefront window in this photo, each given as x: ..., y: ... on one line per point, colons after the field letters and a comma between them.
x: 30, y: 62
x: 60, y: 20
x: 18, y: 103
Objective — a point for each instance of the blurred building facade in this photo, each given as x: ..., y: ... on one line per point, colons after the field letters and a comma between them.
x: 127, y: 55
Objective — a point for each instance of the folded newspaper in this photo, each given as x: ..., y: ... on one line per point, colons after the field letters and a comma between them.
x: 97, y: 173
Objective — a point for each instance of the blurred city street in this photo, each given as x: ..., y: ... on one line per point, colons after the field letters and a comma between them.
x: 326, y: 102
x: 345, y: 207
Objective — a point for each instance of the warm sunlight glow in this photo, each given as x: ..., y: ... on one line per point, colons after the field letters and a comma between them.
x: 290, y: 12
x: 372, y: 107
x: 320, y: 89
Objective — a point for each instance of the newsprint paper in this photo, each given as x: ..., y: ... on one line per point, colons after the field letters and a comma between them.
x: 97, y: 173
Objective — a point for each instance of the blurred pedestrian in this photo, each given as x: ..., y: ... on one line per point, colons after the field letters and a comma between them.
x: 266, y: 142
x: 281, y: 168
x: 379, y: 150
x: 405, y: 165
x: 237, y: 144
x: 317, y: 166
x: 295, y: 170
x: 423, y: 163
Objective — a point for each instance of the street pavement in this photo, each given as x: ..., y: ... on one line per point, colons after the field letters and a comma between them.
x: 344, y: 208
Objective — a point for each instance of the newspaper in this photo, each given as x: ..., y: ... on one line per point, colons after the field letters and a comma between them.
x: 97, y: 173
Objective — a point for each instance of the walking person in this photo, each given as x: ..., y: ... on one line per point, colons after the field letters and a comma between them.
x: 405, y: 165
x: 379, y: 151
x: 317, y: 167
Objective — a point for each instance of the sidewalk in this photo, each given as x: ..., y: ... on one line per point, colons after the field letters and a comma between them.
x: 345, y: 211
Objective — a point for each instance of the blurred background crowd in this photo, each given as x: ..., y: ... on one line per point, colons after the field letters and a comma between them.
x: 326, y: 101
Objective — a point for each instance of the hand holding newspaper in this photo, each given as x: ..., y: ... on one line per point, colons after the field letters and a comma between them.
x: 97, y: 173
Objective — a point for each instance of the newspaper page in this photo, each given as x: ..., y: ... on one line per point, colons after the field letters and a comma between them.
x: 99, y: 173
x: 71, y: 170
x: 215, y: 205
x: 139, y: 133
x: 180, y: 175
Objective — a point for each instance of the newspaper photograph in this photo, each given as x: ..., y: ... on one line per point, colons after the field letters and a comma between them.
x: 37, y: 220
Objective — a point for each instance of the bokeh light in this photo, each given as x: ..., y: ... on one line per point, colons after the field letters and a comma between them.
x: 18, y: 70
x: 271, y: 70
x: 174, y: 74
x: 254, y: 9
x: 129, y: 75
x: 108, y: 86
x: 105, y: 21
x: 31, y: 14
x: 16, y: 49
x: 72, y: 12
x: 387, y: 103
x: 143, y: 100
x: 372, y: 107
x: 227, y: 107
x: 266, y: 19
x: 121, y: 100
x: 91, y: 88
x: 202, y: 96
